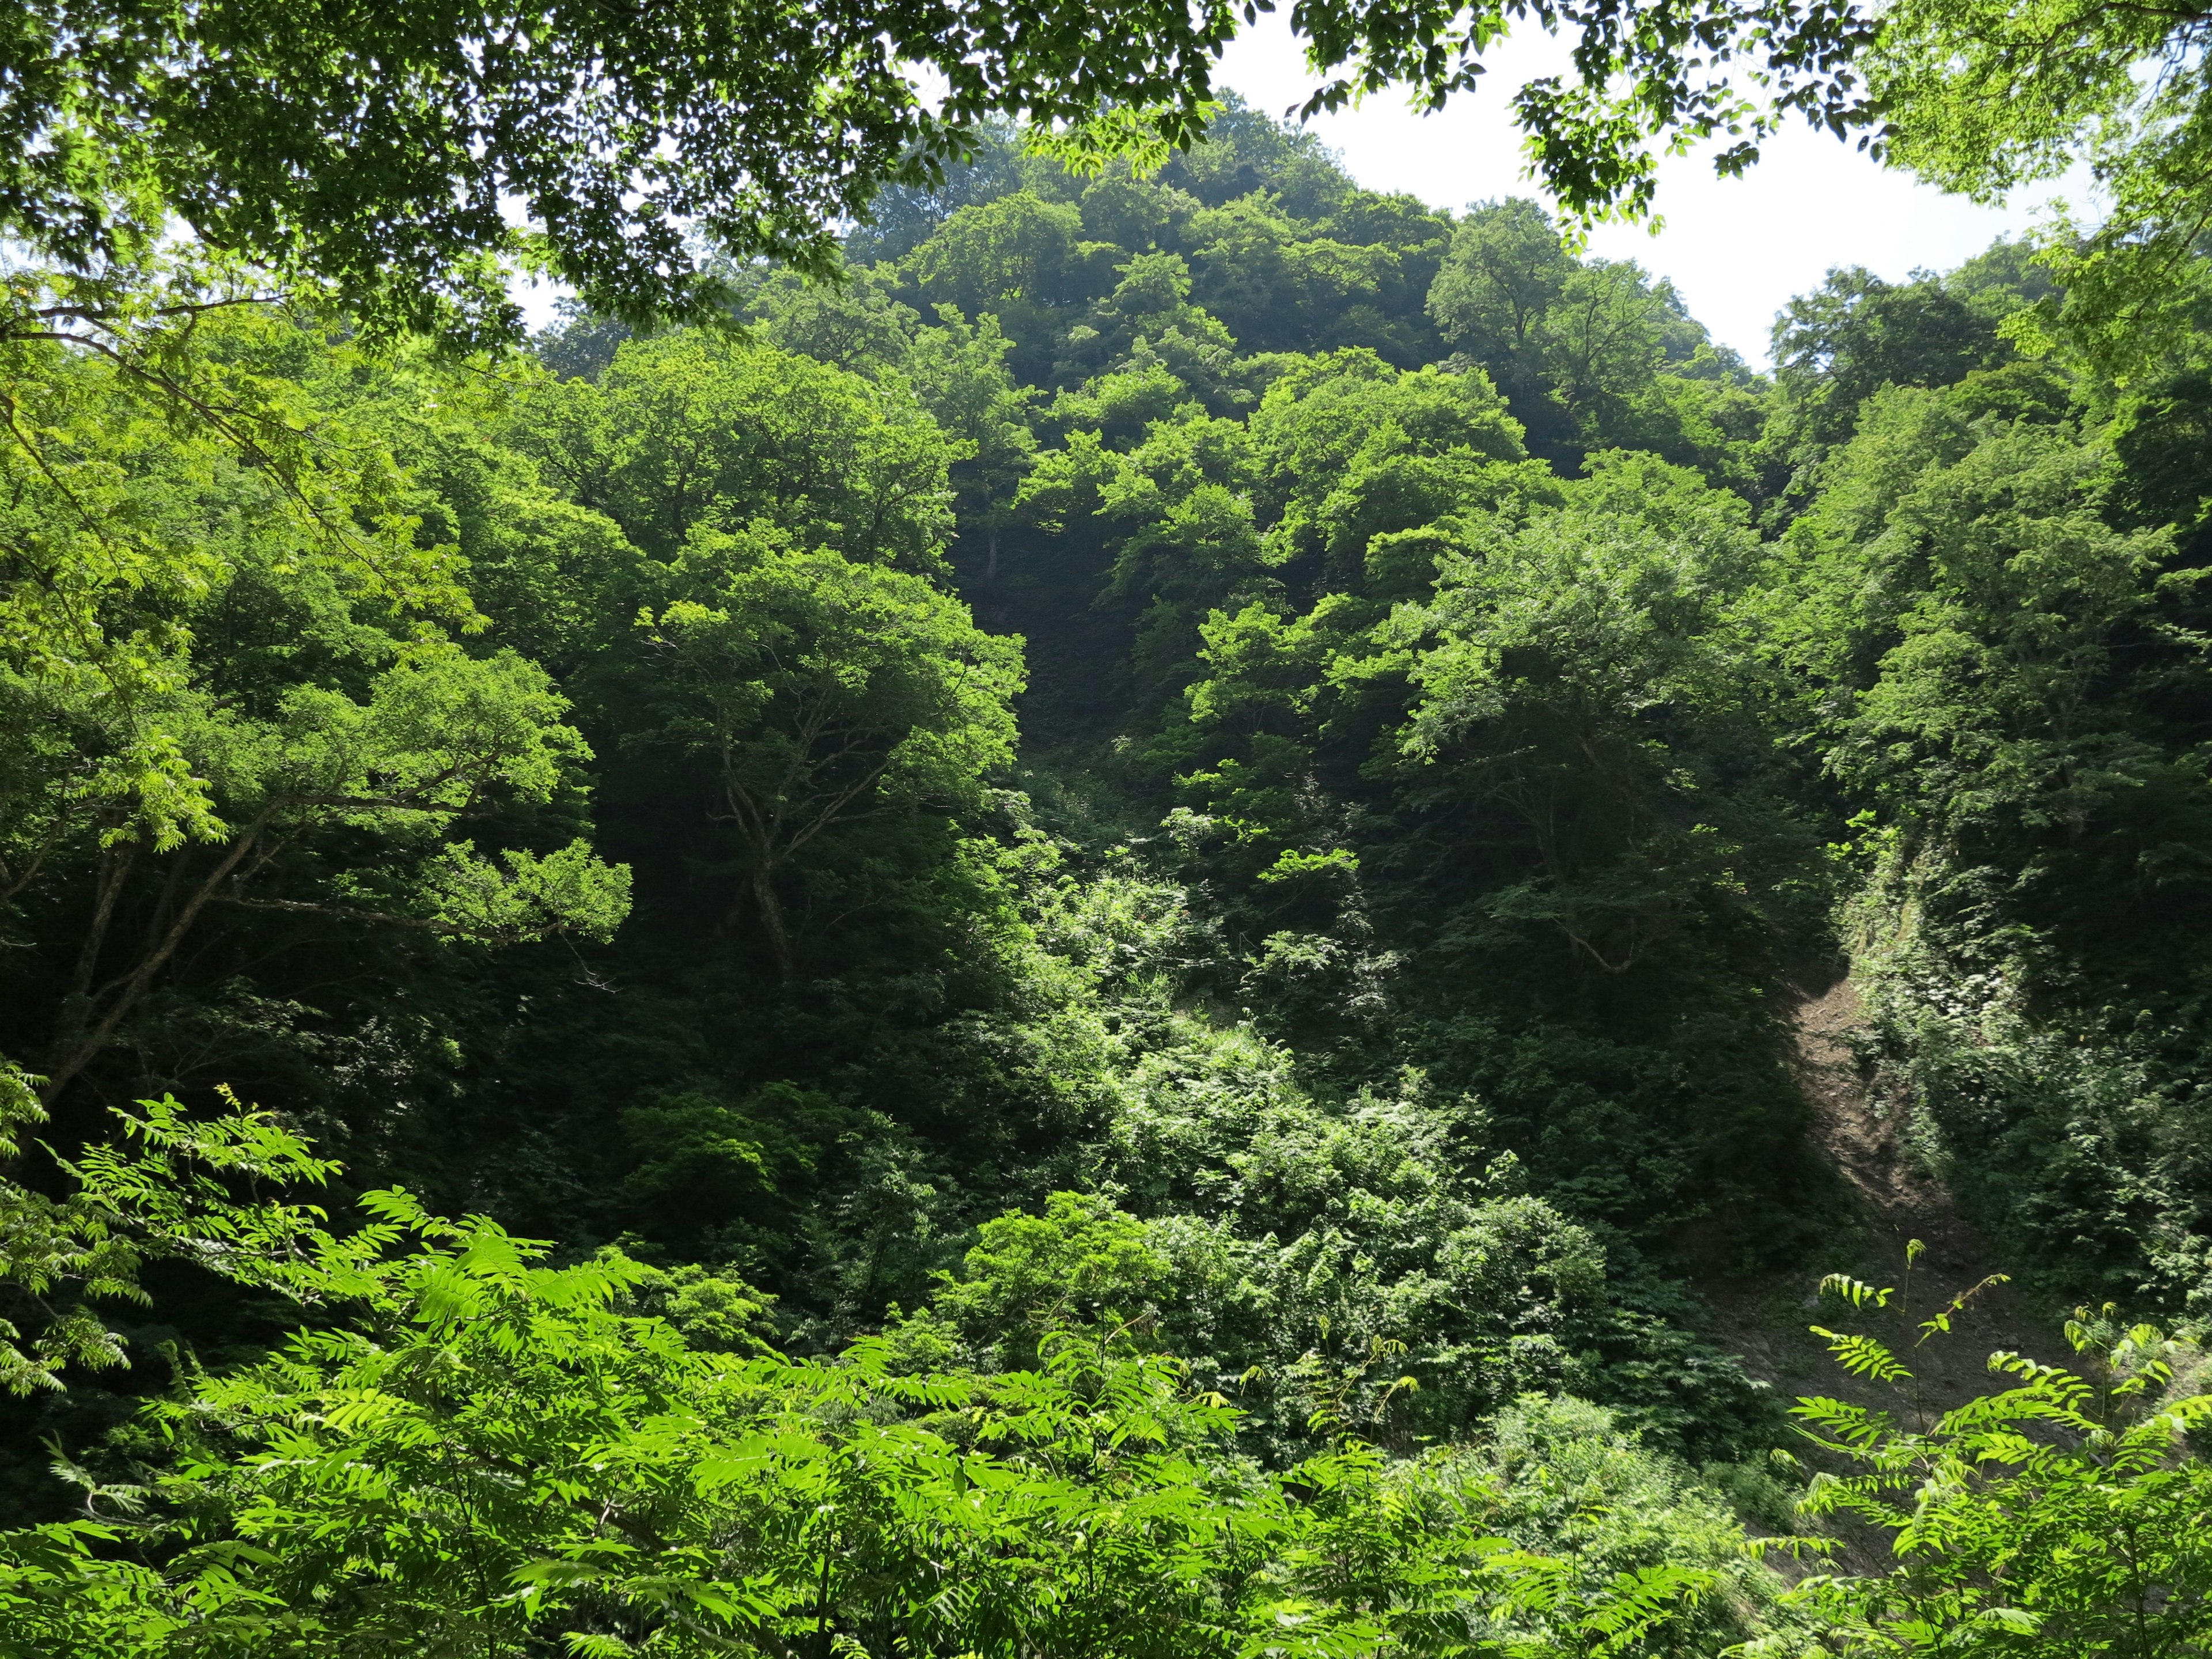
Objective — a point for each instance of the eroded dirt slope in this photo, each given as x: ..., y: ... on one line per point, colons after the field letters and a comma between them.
x: 1764, y: 1321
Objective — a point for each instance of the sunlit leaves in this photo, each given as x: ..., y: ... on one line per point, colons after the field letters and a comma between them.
x: 166, y: 1192
x: 2060, y: 1515
x: 499, y: 1454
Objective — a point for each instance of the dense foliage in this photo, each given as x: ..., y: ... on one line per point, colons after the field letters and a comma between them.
x: 1118, y: 894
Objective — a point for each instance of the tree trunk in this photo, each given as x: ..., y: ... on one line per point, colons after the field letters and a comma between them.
x: 771, y: 917
x: 81, y: 1040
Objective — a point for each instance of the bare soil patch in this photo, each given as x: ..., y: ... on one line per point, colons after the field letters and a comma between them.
x: 1763, y: 1321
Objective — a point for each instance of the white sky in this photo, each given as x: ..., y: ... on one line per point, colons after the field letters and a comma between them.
x: 1736, y: 249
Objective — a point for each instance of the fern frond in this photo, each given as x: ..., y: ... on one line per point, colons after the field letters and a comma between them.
x: 1856, y: 1291
x: 1862, y: 1356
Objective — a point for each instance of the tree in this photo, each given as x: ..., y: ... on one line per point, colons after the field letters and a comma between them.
x: 1835, y: 348
x: 1576, y: 345
x: 1149, y: 319
x: 439, y: 738
x: 1346, y: 448
x: 168, y: 762
x: 1272, y: 286
x: 823, y: 694
x: 901, y: 216
x: 852, y: 323
x: 1504, y: 274
x: 1507, y: 792
x: 1989, y: 98
x: 1019, y: 259
x: 1569, y: 662
x: 1604, y: 349
x: 125, y: 508
x: 959, y: 370
x: 373, y: 159
x: 688, y: 430
x: 1962, y: 579
x: 1977, y: 96
x: 2006, y: 685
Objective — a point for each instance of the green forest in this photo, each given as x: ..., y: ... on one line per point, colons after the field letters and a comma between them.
x: 1069, y: 911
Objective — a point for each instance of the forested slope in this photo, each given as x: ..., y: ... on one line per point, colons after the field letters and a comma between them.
x: 1210, y: 756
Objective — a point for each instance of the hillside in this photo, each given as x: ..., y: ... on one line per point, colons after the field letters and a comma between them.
x: 1311, y: 821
